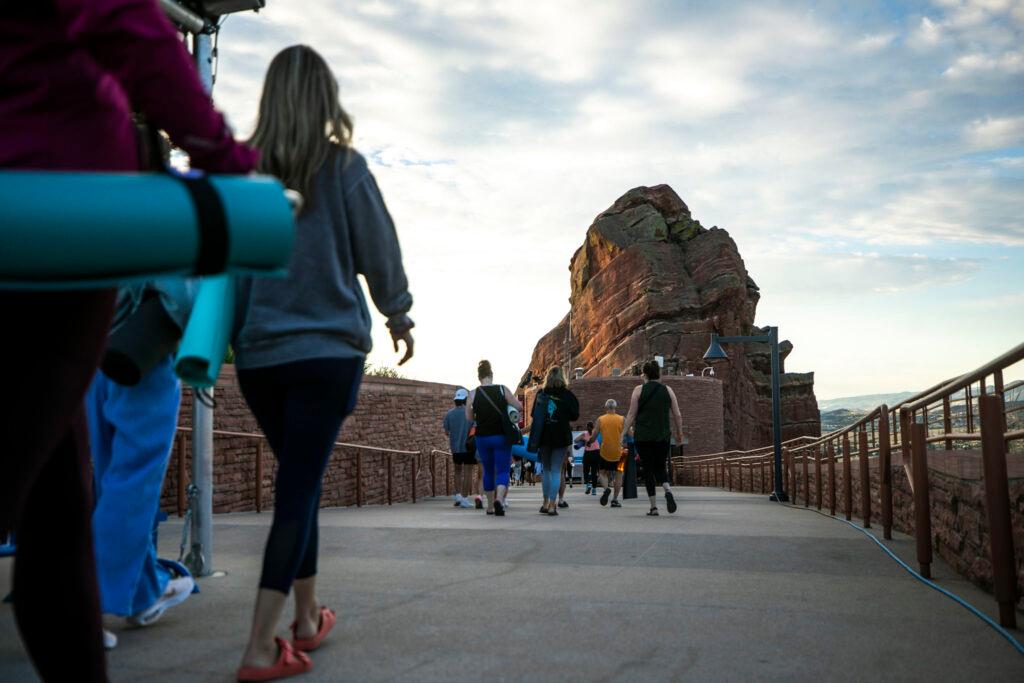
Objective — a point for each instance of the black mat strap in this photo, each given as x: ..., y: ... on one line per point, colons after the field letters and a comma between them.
x: 212, y: 257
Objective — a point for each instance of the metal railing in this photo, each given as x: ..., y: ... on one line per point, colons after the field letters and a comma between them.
x: 358, y: 453
x: 913, y: 429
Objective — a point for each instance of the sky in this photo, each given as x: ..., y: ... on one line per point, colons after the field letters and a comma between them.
x: 866, y: 157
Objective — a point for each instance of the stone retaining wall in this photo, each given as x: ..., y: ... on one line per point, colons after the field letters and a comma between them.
x: 391, y: 413
x: 957, y: 495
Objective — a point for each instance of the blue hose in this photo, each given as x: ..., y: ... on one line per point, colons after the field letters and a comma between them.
x: 931, y: 584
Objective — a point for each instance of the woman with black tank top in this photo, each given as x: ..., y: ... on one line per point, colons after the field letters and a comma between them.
x: 488, y: 406
x: 652, y: 410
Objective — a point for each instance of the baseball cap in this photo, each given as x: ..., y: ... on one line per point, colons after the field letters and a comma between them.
x: 461, y: 395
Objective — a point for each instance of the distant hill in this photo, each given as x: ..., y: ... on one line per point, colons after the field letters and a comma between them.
x: 861, y: 404
x: 837, y: 419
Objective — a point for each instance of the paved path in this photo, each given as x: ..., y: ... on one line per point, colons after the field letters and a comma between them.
x: 732, y: 587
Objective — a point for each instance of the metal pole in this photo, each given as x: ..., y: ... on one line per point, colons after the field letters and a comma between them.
x: 200, y: 560
x: 779, y: 494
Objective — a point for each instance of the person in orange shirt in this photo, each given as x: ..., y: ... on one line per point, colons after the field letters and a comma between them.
x: 609, y: 427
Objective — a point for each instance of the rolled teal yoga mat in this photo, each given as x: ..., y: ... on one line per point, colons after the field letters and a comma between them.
x: 207, y: 332
x: 79, y: 230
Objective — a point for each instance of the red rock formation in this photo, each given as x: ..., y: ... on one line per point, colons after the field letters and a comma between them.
x: 650, y: 280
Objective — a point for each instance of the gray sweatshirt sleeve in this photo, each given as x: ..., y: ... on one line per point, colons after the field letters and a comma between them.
x: 375, y: 247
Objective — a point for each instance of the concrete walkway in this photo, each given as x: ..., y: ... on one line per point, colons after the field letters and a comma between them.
x: 731, y: 587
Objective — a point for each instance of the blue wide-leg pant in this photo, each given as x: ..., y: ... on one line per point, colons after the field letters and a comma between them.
x: 131, y: 431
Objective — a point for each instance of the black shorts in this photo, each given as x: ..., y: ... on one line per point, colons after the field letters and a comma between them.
x: 606, y: 466
x: 464, y: 458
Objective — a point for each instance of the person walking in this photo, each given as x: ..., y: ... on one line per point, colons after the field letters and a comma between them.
x: 609, y: 428
x: 456, y: 427
x: 554, y: 410
x: 301, y: 341
x: 72, y: 72
x: 132, y: 409
x: 591, y: 454
x: 653, y: 412
x: 488, y: 406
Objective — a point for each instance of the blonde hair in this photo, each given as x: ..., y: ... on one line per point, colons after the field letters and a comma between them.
x: 300, y: 118
x: 555, y: 379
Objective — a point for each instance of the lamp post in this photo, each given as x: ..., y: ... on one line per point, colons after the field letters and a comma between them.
x: 715, y: 352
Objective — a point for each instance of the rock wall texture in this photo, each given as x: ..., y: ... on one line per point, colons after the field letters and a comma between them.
x: 392, y: 413
x: 650, y: 280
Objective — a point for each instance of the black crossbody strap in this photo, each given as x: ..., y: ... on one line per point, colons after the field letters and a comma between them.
x: 212, y: 256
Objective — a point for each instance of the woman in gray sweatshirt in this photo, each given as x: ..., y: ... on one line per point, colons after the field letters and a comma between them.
x: 300, y: 342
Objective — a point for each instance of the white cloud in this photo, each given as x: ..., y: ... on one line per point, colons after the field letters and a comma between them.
x: 974, y: 64
x: 996, y: 133
x: 927, y: 35
x: 874, y: 43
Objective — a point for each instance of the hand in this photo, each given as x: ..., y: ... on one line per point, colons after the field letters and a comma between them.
x: 406, y: 337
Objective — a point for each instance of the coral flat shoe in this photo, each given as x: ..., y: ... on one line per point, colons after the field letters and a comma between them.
x: 327, y: 619
x: 289, y: 663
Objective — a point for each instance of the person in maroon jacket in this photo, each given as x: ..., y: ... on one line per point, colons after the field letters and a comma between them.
x: 71, y: 74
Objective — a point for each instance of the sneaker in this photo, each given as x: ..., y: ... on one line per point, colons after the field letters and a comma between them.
x: 653, y: 512
x: 177, y: 592
x: 670, y: 502
x: 586, y: 492
x: 479, y: 503
x: 562, y: 504
x: 499, y: 509
x: 616, y: 504
x: 593, y: 491
x: 505, y: 504
x: 465, y: 504
x: 552, y: 512
x: 109, y: 640
x: 605, y: 496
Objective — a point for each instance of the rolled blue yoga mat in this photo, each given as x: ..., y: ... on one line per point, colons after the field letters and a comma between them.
x: 83, y: 230
x: 207, y: 333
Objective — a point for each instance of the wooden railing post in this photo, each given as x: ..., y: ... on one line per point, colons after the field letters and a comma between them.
x: 433, y: 474
x: 259, y: 475
x: 847, y: 479
x: 447, y: 477
x: 414, y: 459
x: 807, y: 479
x: 885, y: 471
x: 391, y: 476
x: 865, y: 478
x: 791, y: 461
x: 997, y: 503
x: 817, y: 474
x: 831, y: 478
x: 922, y: 502
x: 359, y: 479
x: 181, y: 474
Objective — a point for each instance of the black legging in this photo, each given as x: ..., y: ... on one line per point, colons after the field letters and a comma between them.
x: 52, y: 344
x: 300, y: 407
x: 590, y: 473
x: 653, y: 456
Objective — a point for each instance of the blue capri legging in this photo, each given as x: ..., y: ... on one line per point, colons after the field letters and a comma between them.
x: 496, y: 457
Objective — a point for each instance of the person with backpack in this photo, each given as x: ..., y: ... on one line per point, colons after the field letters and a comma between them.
x: 457, y: 427
x: 653, y: 412
x: 554, y: 410
x: 488, y: 405
x: 301, y: 341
